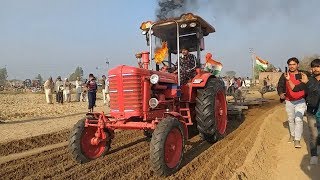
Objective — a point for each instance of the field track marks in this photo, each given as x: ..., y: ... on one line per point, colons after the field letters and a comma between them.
x: 16, y: 156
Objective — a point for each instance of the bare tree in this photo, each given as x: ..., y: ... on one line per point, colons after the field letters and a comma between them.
x: 231, y: 73
x: 77, y: 73
x: 305, y: 62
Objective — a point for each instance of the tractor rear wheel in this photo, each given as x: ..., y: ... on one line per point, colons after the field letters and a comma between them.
x: 166, y: 147
x: 211, y: 110
x: 80, y: 143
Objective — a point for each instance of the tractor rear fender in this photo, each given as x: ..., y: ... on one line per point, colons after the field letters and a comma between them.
x: 182, y: 121
x: 200, y: 80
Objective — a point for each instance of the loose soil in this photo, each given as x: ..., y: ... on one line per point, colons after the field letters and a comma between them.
x: 253, y: 148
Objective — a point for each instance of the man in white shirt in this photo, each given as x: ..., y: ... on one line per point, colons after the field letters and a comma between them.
x: 105, y: 90
x: 48, y: 88
x: 247, y: 82
x: 78, y: 89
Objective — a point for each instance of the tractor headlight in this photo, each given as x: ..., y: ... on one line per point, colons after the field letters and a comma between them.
x: 153, y: 102
x: 183, y: 25
x: 154, y: 79
x: 193, y: 24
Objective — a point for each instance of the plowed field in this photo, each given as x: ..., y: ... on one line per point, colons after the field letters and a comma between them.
x: 248, y: 151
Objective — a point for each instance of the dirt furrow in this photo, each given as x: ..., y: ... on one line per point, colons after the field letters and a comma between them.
x: 218, y: 152
x: 21, y: 145
x: 40, y: 164
x: 126, y: 165
x: 210, y: 154
x: 32, y: 164
x: 129, y: 155
x: 21, y: 155
x: 221, y: 163
x: 106, y: 163
x: 236, y: 151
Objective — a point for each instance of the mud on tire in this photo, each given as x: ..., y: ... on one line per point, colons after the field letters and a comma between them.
x: 77, y: 145
x: 166, y: 147
x: 206, y: 116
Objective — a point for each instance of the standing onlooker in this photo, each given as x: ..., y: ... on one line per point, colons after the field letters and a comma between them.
x: 239, y: 84
x: 78, y: 89
x: 55, y: 90
x: 235, y: 84
x: 105, y: 90
x: 295, y: 102
x: 48, y: 88
x: 92, y: 90
x: 243, y: 84
x: 67, y: 90
x: 312, y: 87
x: 84, y: 92
x: 247, y: 82
x: 268, y: 83
x: 232, y: 86
x: 59, y: 90
x: 226, y: 84
x: 103, y: 84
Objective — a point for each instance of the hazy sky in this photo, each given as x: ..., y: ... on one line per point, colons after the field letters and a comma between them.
x: 54, y: 37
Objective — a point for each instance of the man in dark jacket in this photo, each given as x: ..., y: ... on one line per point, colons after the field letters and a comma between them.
x: 187, y: 66
x: 92, y: 91
x: 312, y: 87
x: 295, y: 102
x: 59, y: 90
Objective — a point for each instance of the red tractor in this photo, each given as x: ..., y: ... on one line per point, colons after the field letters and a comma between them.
x: 154, y: 100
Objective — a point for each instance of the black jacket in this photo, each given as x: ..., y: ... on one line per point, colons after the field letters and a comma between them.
x: 281, y: 88
x: 312, y: 89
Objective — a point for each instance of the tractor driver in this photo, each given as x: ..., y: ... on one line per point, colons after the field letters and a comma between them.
x: 187, y: 66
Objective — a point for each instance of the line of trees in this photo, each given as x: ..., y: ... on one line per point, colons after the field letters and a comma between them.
x: 305, y: 62
x: 4, y: 75
x: 39, y: 78
x: 77, y: 73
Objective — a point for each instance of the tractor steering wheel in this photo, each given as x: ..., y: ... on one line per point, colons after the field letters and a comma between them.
x: 173, y: 67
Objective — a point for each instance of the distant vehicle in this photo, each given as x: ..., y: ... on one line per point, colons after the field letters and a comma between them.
x: 266, y: 89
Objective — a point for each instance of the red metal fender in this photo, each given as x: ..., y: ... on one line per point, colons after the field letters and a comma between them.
x: 200, y: 80
x: 181, y: 119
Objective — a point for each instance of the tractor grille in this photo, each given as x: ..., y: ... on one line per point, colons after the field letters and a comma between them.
x: 125, y: 95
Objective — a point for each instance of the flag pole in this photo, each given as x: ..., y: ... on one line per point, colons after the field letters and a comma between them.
x: 253, y: 65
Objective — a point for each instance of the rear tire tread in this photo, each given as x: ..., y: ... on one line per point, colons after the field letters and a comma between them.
x: 205, y: 115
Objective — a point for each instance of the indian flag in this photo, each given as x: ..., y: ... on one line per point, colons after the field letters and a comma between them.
x: 261, y: 64
x: 212, y: 65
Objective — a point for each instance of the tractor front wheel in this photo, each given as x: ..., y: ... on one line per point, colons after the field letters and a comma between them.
x: 166, y: 147
x: 80, y: 143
